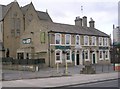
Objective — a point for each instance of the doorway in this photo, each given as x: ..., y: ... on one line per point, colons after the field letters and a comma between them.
x: 93, y: 58
x: 77, y: 59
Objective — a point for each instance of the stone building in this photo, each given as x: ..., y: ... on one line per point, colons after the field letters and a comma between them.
x: 13, y: 22
x: 60, y: 43
x: 31, y: 34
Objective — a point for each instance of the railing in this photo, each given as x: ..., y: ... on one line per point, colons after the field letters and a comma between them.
x: 23, y: 61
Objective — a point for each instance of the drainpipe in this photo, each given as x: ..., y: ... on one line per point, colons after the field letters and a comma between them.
x: 49, y: 48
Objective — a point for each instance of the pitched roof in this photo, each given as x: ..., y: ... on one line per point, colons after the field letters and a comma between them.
x: 65, y: 28
x: 5, y: 9
x: 25, y: 8
x: 44, y: 16
x: 70, y: 29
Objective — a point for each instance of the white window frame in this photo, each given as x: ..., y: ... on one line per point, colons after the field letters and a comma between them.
x: 93, y: 41
x: 100, y: 41
x: 69, y: 39
x: 77, y: 40
x: 107, y: 54
x: 106, y: 41
x: 87, y: 40
x: 69, y: 55
x: 102, y: 55
x: 87, y: 55
x: 60, y: 61
x: 56, y: 38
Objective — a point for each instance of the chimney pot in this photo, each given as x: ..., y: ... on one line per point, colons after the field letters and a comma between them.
x: 85, y: 21
x: 92, y: 23
x: 78, y: 21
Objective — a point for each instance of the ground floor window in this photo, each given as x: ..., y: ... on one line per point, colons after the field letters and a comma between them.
x: 106, y: 54
x: 100, y: 55
x: 58, y: 56
x: 20, y: 55
x: 68, y: 56
x: 86, y: 55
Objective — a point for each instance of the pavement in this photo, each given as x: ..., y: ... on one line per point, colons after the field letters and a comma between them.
x: 61, y: 81
x: 48, y: 77
x: 51, y: 72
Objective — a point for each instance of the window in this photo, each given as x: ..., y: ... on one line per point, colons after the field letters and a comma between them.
x: 12, y: 27
x: 106, y: 54
x: 101, y: 55
x: 68, y: 56
x: 58, y: 56
x: 67, y: 39
x: 86, y: 54
x: 77, y: 42
x: 17, y: 27
x: 86, y: 40
x: 93, y: 40
x: 57, y: 38
x: 106, y: 41
x: 100, y: 41
x: 42, y: 37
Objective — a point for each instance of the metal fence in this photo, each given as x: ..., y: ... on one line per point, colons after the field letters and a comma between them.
x: 23, y: 61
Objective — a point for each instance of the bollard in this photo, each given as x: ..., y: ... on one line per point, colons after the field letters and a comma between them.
x: 57, y: 68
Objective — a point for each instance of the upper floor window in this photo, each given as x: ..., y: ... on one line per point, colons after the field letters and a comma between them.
x: 100, y: 41
x: 57, y: 38
x: 77, y: 41
x: 93, y: 40
x: 86, y: 40
x: 42, y: 37
x: 106, y: 42
x: 58, y: 56
x: 15, y: 27
x: 67, y: 39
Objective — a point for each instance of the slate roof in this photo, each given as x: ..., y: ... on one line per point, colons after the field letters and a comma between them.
x: 44, y: 16
x: 5, y: 9
x: 25, y: 8
x: 72, y: 29
x: 65, y: 28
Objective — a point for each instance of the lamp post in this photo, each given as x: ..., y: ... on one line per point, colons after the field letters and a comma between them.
x: 83, y: 56
x: 66, y: 65
x: 104, y: 59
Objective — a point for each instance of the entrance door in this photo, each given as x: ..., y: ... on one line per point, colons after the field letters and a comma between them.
x: 94, y: 58
x: 77, y: 59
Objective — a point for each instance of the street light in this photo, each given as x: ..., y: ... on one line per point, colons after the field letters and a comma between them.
x: 66, y: 65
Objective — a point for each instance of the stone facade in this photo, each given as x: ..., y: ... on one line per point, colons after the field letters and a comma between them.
x: 31, y: 34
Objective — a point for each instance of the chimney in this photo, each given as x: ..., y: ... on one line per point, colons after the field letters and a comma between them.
x: 92, y: 23
x: 78, y: 21
x: 85, y: 21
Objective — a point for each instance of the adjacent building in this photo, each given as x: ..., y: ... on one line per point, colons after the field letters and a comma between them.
x: 116, y: 35
x: 31, y: 34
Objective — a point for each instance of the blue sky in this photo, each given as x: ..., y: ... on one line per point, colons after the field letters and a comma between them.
x: 104, y: 12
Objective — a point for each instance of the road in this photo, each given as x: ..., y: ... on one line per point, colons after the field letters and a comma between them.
x: 106, y: 83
